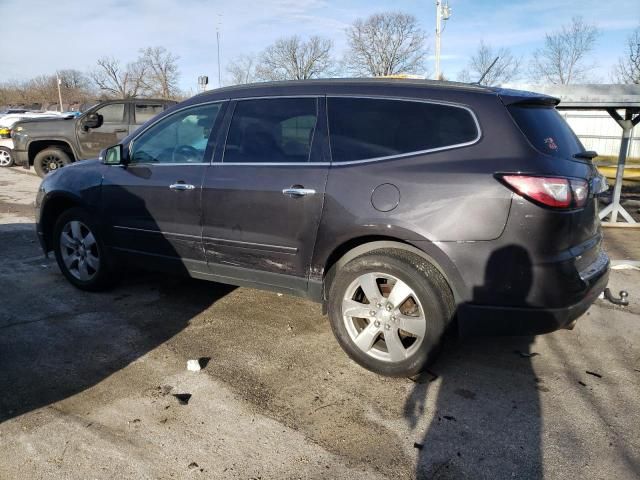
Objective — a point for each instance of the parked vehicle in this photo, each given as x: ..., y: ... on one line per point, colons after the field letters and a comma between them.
x: 6, y: 123
x: 406, y: 207
x: 51, y: 144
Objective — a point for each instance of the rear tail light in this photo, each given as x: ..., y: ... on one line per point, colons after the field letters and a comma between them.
x: 554, y: 192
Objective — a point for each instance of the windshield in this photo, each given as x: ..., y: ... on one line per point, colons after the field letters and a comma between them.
x: 546, y: 130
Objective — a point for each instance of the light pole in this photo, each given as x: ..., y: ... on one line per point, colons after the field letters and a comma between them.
x: 443, y: 12
x: 59, y: 92
x: 218, y: 41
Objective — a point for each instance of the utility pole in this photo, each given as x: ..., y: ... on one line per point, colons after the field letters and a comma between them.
x: 218, y: 41
x: 443, y: 12
x: 59, y: 82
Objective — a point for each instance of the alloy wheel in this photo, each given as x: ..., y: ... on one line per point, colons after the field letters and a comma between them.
x: 79, y: 250
x: 51, y: 162
x: 5, y: 158
x: 384, y: 317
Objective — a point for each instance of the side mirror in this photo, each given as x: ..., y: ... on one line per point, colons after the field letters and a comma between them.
x: 92, y: 120
x: 112, y: 155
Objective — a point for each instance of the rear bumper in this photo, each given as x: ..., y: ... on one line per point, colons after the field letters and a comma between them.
x: 499, y: 320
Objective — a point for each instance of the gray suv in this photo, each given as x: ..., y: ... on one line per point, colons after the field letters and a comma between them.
x: 405, y: 207
x: 51, y: 143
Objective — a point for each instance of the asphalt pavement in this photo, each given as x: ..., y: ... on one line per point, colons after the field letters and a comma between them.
x: 96, y: 385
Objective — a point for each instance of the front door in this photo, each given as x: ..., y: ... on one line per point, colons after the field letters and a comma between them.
x: 115, y: 126
x: 263, y: 201
x: 153, y: 202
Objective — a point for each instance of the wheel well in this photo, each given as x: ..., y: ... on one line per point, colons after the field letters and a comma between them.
x: 37, y: 146
x: 361, y: 245
x: 48, y: 217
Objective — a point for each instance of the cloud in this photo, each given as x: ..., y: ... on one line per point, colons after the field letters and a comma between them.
x: 75, y: 33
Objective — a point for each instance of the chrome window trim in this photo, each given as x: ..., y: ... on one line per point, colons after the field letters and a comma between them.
x: 272, y: 164
x: 415, y: 152
x: 141, y: 132
x: 159, y: 164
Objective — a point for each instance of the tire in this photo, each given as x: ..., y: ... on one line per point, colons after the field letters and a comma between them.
x: 397, y: 337
x: 50, y: 159
x: 6, y: 157
x: 80, y: 252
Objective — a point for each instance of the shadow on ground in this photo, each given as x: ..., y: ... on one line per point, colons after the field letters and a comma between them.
x: 57, y: 341
x: 503, y: 434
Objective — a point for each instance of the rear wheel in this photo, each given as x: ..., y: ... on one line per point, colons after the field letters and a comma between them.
x: 50, y: 159
x: 6, y: 158
x: 389, y: 310
x: 80, y: 253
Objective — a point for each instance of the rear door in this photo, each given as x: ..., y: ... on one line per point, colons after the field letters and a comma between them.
x: 263, y: 197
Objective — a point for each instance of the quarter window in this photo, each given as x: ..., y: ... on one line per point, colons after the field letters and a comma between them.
x: 363, y: 128
x: 178, y: 138
x: 271, y: 130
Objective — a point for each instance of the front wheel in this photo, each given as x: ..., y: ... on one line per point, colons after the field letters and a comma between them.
x: 6, y: 158
x: 389, y: 310
x: 80, y: 253
x: 50, y: 159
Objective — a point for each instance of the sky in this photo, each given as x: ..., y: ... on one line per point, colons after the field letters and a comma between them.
x: 41, y: 36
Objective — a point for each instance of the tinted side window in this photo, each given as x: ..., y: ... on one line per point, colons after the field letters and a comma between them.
x: 178, y: 138
x: 144, y: 112
x: 113, y: 113
x: 546, y: 130
x: 363, y: 128
x: 271, y: 130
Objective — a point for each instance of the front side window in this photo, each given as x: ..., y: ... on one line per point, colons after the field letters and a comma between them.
x: 365, y: 128
x: 178, y: 138
x: 112, y: 113
x: 271, y: 130
x: 146, y: 111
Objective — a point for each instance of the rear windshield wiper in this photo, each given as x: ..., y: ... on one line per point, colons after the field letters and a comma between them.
x: 590, y: 154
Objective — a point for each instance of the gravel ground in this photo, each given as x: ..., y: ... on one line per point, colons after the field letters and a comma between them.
x: 88, y: 384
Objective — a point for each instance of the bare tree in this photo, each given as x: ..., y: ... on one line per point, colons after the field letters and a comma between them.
x: 242, y: 69
x: 294, y: 59
x: 386, y: 44
x: 162, y: 73
x: 504, y: 70
x: 627, y: 69
x: 562, y: 59
x: 118, y: 81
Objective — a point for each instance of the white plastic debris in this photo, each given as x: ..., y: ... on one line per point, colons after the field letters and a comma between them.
x: 193, y: 365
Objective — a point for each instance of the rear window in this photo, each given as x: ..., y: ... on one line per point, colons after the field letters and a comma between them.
x: 547, y: 131
x: 365, y: 128
x: 144, y: 112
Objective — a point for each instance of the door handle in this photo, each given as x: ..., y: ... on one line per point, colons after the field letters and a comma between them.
x: 121, y: 130
x: 181, y: 186
x: 294, y: 192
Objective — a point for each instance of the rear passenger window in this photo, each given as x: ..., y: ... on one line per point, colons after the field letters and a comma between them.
x: 144, y: 112
x: 364, y: 128
x: 271, y: 130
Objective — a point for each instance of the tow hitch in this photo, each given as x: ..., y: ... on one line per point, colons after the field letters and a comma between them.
x: 617, y: 301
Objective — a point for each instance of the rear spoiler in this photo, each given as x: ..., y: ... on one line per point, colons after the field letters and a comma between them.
x: 522, y: 97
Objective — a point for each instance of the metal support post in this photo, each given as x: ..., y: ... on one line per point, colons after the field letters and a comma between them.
x: 627, y: 123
